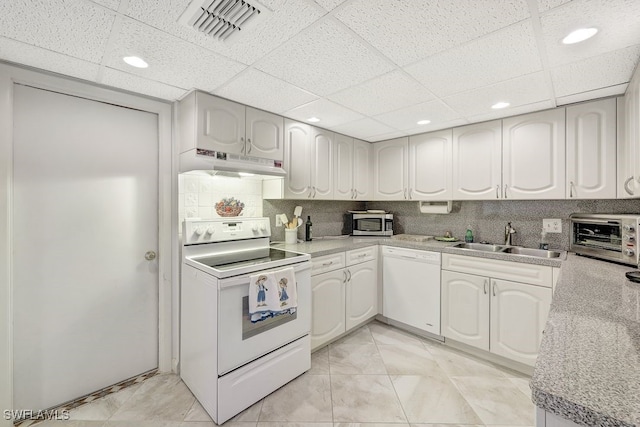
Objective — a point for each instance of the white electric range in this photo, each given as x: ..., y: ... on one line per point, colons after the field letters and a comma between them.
x: 227, y: 361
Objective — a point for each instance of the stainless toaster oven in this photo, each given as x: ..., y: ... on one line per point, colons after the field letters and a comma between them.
x: 372, y: 224
x: 612, y: 237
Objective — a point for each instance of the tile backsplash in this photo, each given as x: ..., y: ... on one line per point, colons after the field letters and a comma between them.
x: 198, y: 193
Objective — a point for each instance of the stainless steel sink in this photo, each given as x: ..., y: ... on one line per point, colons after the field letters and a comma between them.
x: 539, y: 253
x: 485, y: 247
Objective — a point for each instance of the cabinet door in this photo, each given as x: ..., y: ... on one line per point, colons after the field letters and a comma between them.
x: 625, y: 152
x: 265, y: 134
x: 322, y: 164
x: 430, y: 166
x: 343, y: 168
x: 591, y: 150
x: 361, y: 293
x: 518, y: 315
x: 390, y: 169
x: 477, y: 161
x: 534, y: 156
x: 328, y: 307
x: 220, y: 124
x: 465, y: 308
x: 297, y: 160
x: 362, y: 170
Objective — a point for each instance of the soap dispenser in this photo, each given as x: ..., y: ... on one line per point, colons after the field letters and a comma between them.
x: 468, y: 237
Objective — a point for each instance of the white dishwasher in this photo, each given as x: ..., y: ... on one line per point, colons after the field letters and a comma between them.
x: 411, y: 287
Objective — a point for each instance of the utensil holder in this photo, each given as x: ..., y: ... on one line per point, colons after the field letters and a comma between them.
x: 291, y: 236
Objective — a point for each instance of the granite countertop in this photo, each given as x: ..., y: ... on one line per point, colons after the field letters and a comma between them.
x: 588, y: 369
x: 320, y: 247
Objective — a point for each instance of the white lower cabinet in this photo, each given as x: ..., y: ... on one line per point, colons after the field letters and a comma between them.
x: 344, y: 289
x: 489, y: 310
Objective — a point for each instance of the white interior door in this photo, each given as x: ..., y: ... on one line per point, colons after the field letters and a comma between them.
x: 85, y: 212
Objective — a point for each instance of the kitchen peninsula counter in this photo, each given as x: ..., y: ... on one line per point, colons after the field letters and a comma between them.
x: 588, y: 369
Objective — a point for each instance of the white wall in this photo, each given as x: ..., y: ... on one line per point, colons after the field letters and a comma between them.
x: 167, y: 216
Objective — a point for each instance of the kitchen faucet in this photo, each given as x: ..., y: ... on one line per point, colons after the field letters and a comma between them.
x: 509, y: 231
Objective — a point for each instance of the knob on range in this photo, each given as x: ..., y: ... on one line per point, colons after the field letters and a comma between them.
x: 199, y: 231
x: 211, y: 230
x: 254, y: 226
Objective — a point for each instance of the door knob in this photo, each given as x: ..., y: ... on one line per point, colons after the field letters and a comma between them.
x: 150, y: 255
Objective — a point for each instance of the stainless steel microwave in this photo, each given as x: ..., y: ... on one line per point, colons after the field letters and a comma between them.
x: 612, y: 237
x: 372, y: 224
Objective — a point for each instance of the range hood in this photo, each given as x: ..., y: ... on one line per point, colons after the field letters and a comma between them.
x: 209, y: 160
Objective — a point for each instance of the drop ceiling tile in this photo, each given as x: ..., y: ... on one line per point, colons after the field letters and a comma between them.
x: 171, y: 60
x: 288, y: 18
x: 508, y: 112
x: 593, y: 94
x: 363, y: 128
x: 386, y: 136
x: 111, y: 4
x: 519, y: 91
x: 329, y: 5
x: 617, y: 22
x: 500, y: 56
x: 133, y: 83
x: 324, y: 60
x: 260, y: 90
x: 600, y: 71
x: 22, y: 53
x: 75, y: 28
x: 544, y: 5
x: 412, y: 30
x: 432, y: 127
x: 381, y: 94
x: 329, y: 113
x: 407, y: 118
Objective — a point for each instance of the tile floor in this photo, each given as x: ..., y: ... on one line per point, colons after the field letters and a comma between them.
x: 377, y: 374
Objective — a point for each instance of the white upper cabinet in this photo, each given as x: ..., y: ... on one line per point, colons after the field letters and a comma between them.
x: 352, y: 169
x: 362, y: 179
x: 308, y: 160
x: 297, y: 160
x: 221, y: 125
x: 629, y: 141
x: 322, y: 164
x: 264, y: 134
x: 390, y: 174
x: 591, y: 150
x: 477, y: 161
x: 212, y: 123
x: 430, y: 166
x: 533, y: 163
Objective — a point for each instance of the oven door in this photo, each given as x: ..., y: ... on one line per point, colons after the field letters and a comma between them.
x: 239, y: 340
x: 368, y: 226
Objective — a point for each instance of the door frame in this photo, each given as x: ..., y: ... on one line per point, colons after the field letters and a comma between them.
x: 167, y: 211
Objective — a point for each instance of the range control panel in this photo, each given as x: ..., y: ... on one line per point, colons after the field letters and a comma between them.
x: 224, y: 229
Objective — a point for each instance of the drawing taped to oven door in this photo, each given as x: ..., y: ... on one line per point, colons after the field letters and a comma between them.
x: 251, y: 329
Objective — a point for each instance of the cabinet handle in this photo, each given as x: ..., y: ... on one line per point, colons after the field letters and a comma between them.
x: 327, y: 264
x: 570, y: 189
x: 310, y: 192
x: 405, y: 194
x: 244, y: 147
x: 349, y: 279
x: 353, y: 193
x: 497, y: 193
x: 314, y: 192
x: 505, y: 190
x: 486, y: 282
x: 626, y: 185
x: 410, y: 191
x: 344, y: 276
x: 494, y: 289
x: 249, y: 145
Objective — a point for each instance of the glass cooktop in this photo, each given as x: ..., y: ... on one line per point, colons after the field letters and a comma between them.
x: 233, y: 260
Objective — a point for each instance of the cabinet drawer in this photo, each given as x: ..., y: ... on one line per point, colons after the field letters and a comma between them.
x: 327, y: 263
x: 540, y: 275
x: 357, y: 256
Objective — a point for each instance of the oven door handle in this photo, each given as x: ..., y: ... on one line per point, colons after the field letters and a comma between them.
x: 594, y: 221
x: 245, y: 278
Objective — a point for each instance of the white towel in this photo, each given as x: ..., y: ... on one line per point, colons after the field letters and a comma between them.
x: 272, y: 294
x: 287, y: 289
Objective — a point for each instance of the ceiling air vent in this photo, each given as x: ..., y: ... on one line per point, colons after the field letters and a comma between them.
x: 221, y: 19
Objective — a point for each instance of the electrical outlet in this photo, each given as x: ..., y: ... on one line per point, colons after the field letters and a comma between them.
x: 278, y: 221
x: 552, y: 225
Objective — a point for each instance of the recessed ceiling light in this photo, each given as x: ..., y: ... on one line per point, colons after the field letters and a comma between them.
x: 423, y: 122
x: 134, y: 61
x: 579, y: 35
x: 499, y: 105
x: 313, y: 119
